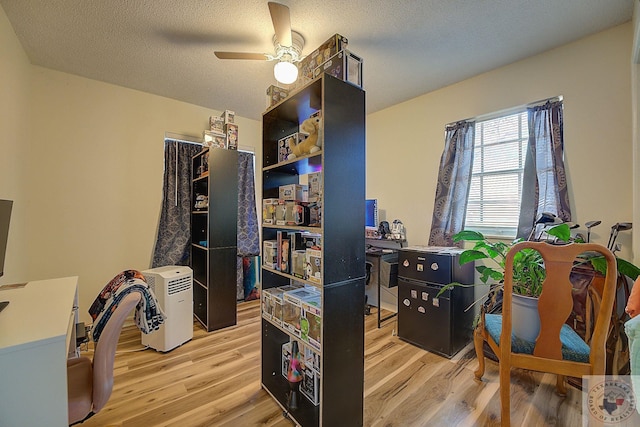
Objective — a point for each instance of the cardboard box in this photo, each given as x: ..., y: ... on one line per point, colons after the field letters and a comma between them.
x: 314, y: 183
x: 232, y: 136
x: 343, y: 65
x: 298, y: 262
x: 267, y: 304
x: 278, y: 301
x: 314, y: 265
x: 315, y: 214
x: 310, y: 358
x: 270, y: 253
x: 216, y: 124
x: 284, y: 149
x: 229, y: 117
x: 292, y: 308
x: 318, y: 57
x: 216, y: 140
x: 269, y: 211
x: 293, y: 192
x: 275, y: 94
x: 286, y: 355
x: 310, y: 241
x: 296, y: 213
x: 284, y: 251
x: 281, y: 210
x: 310, y: 385
x: 311, y: 321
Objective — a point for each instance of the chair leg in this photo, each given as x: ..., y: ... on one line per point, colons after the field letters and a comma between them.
x: 561, y: 385
x: 478, y: 341
x: 505, y: 394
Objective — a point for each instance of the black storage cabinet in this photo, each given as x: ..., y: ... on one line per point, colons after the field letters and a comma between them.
x: 437, y: 324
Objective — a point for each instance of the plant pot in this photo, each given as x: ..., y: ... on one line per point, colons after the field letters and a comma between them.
x: 525, y: 322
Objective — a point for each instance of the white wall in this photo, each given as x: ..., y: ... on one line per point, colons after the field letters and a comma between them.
x: 91, y: 154
x: 14, y: 114
x: 95, y: 165
x: 405, y: 142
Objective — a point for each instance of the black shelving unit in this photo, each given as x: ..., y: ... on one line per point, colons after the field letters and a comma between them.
x: 214, y: 238
x: 342, y: 162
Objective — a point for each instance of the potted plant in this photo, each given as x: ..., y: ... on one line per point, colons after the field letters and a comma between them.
x: 528, y: 274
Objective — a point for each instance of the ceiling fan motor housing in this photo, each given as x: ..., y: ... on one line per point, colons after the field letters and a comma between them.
x: 291, y: 53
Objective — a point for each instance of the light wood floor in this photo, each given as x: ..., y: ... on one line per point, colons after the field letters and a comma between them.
x: 214, y: 380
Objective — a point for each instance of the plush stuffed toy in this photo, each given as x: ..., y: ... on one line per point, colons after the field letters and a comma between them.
x: 311, y: 126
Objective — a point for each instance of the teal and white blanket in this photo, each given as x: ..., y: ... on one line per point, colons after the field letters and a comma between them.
x: 148, y: 315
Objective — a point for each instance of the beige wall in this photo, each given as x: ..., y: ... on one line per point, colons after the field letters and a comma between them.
x: 96, y: 167
x: 405, y: 142
x: 89, y: 196
x: 14, y: 114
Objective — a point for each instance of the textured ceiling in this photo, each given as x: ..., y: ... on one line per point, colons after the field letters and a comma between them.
x: 409, y: 47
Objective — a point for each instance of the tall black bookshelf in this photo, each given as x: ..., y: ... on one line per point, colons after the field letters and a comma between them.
x: 214, y: 237
x: 342, y: 162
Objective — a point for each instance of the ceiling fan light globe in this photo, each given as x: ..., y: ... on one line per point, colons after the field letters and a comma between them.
x: 285, y: 72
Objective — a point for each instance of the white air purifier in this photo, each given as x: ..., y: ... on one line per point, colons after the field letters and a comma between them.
x: 173, y: 287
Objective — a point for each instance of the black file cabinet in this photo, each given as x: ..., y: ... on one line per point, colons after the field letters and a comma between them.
x: 437, y: 324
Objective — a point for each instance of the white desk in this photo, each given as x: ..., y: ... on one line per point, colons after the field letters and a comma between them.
x: 36, y: 329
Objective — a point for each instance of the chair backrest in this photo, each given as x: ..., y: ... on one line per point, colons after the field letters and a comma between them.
x: 556, y: 301
x: 105, y: 351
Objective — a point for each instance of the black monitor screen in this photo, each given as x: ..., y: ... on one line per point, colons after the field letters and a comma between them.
x: 5, y: 216
x: 371, y: 215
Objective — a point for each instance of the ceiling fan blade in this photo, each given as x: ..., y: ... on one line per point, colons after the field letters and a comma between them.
x: 281, y: 22
x: 241, y: 55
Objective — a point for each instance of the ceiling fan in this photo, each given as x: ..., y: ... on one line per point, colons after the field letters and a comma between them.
x: 287, y: 45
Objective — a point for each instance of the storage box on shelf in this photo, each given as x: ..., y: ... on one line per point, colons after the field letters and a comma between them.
x: 275, y: 94
x: 284, y: 148
x: 344, y: 65
x: 326, y: 50
x: 292, y: 308
x: 214, y: 139
x: 329, y: 323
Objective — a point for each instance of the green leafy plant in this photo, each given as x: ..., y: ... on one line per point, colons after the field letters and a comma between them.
x: 528, y: 266
x: 563, y: 233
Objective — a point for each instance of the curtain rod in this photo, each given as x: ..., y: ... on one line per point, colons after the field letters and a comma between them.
x: 189, y: 139
x: 507, y: 111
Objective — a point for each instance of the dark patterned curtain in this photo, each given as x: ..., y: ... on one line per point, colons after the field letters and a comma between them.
x: 173, y: 243
x: 544, y: 186
x: 454, y: 179
x: 248, y: 237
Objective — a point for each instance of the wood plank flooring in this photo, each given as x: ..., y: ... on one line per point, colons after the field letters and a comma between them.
x: 214, y: 380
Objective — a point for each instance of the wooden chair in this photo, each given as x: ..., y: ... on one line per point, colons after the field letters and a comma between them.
x: 558, y: 348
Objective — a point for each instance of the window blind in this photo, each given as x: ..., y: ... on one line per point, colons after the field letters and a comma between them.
x: 496, y: 183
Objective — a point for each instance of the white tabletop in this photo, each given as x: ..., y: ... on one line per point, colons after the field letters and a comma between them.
x: 37, y: 313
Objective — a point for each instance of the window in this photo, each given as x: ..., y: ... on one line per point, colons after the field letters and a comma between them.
x: 500, y: 148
